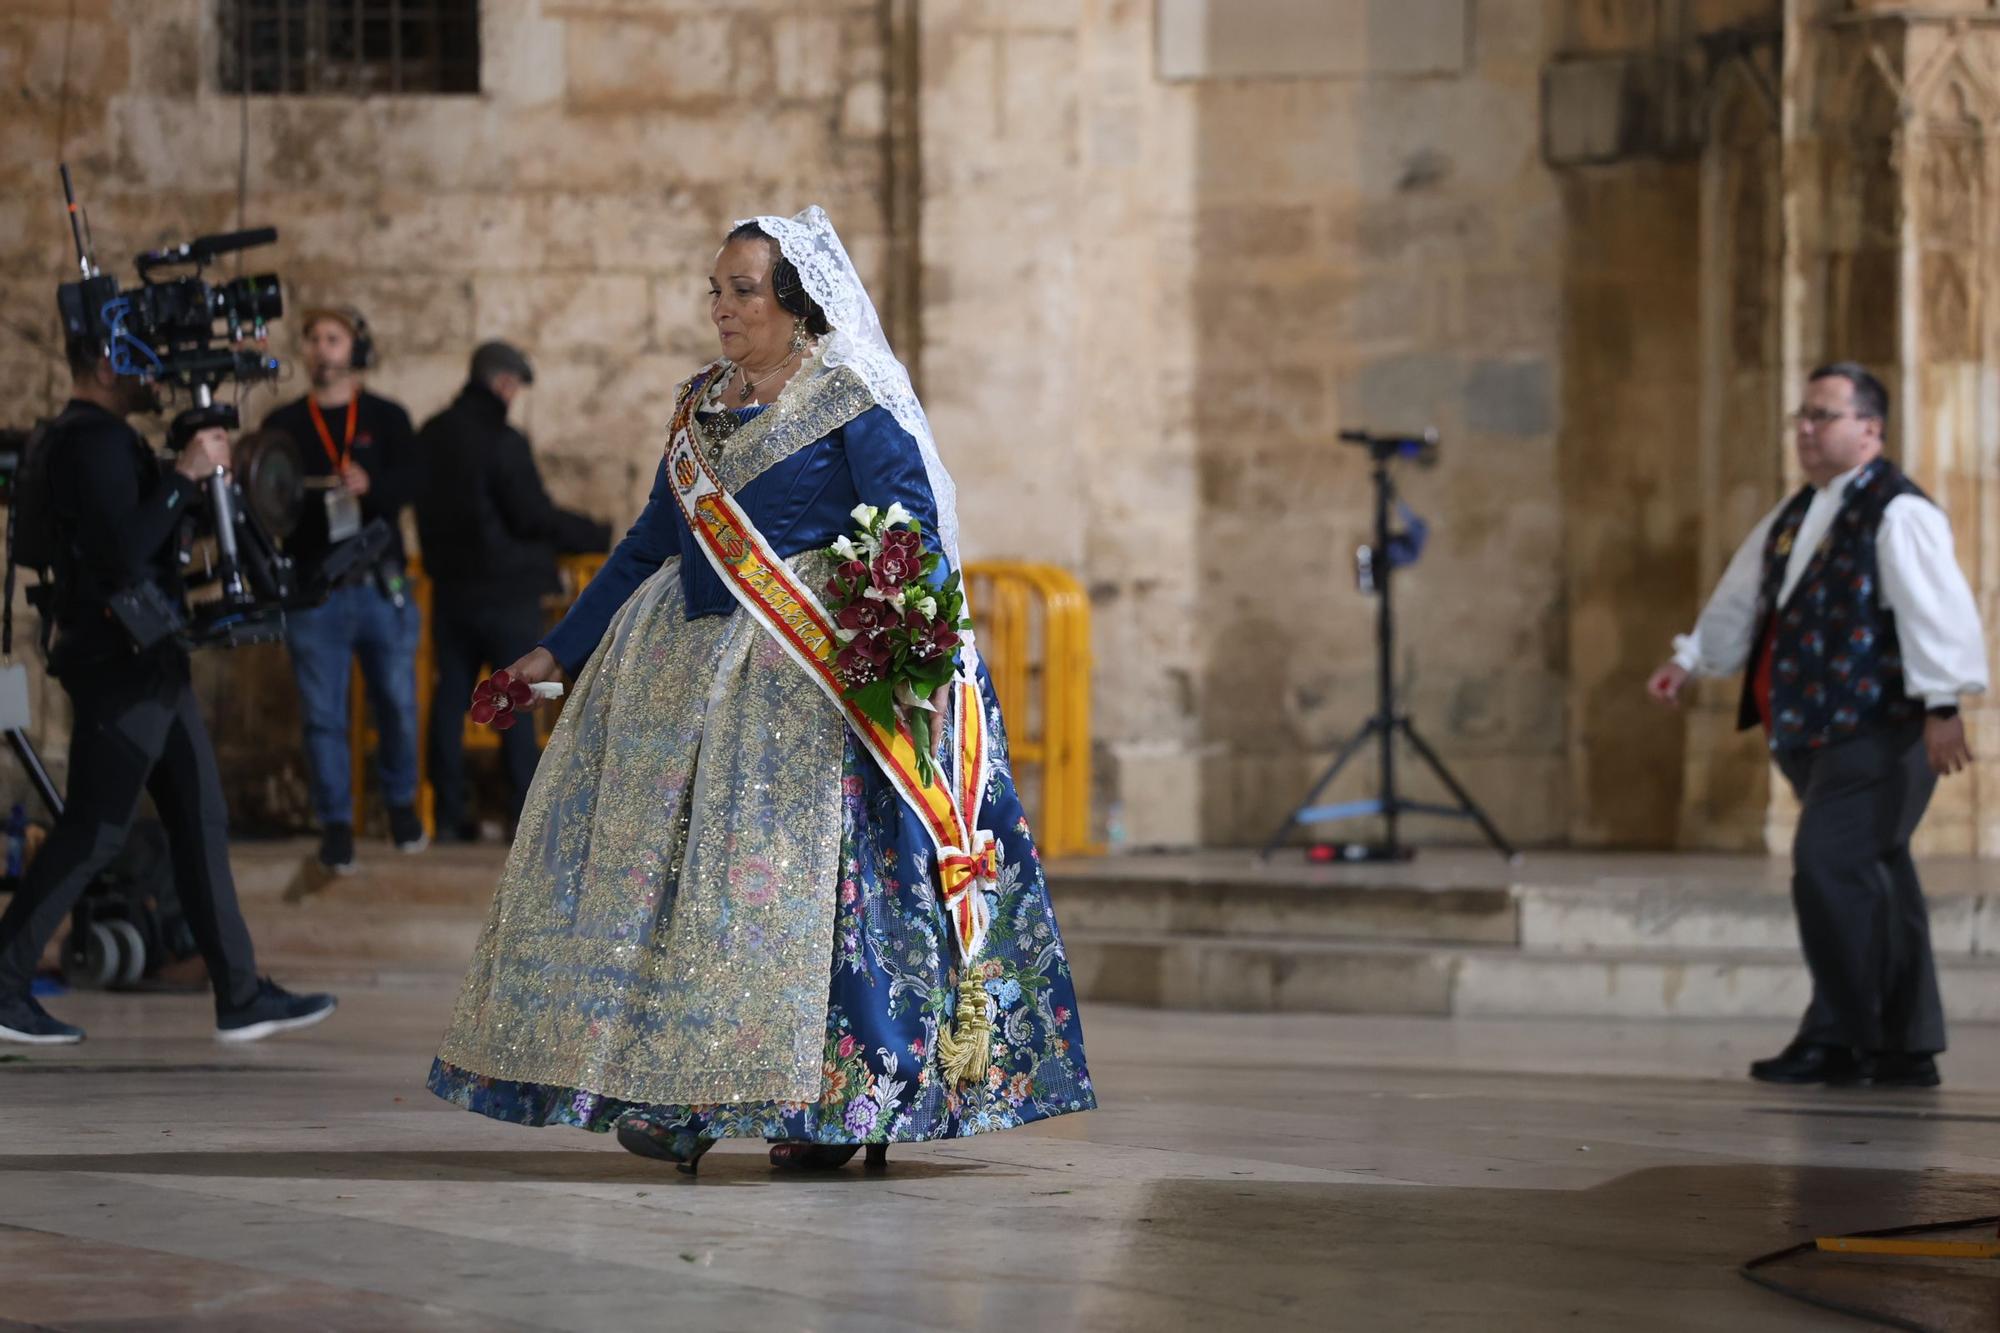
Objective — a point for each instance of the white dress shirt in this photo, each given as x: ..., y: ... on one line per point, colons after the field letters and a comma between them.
x: 1944, y: 649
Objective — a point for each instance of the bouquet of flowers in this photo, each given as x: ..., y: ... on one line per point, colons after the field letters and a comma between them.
x: 898, y: 634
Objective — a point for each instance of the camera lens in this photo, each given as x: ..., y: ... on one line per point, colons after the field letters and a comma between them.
x: 249, y: 299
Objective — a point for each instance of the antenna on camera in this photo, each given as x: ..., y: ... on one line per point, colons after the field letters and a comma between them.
x: 79, y: 228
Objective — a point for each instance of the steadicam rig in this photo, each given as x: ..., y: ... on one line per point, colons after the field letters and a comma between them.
x: 176, y: 328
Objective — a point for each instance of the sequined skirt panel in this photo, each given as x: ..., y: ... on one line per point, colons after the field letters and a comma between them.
x: 886, y: 984
x: 661, y: 929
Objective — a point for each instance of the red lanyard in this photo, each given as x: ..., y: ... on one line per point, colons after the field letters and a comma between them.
x: 338, y: 459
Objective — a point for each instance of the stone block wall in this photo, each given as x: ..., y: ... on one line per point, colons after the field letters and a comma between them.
x: 573, y: 206
x: 1210, y: 258
x: 1147, y: 257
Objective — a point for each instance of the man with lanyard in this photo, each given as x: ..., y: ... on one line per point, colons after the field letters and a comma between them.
x: 1857, y: 637
x: 360, y: 460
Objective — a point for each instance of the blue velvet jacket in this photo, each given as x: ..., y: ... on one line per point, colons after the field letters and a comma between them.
x: 799, y: 504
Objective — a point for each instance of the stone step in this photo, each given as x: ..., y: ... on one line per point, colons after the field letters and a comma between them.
x: 1287, y: 975
x: 442, y: 877
x: 338, y: 930
x: 1150, y: 905
x: 1678, y: 919
x: 1693, y: 984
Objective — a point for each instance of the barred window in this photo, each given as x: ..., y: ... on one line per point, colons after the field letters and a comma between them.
x: 350, y: 46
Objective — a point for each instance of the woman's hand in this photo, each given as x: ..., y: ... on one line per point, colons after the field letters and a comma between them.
x: 538, y: 666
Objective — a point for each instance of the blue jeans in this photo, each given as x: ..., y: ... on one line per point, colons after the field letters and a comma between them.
x: 356, y: 621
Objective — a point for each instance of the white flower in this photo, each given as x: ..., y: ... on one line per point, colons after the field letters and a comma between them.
x: 874, y: 594
x: 895, y: 599
x: 864, y: 515
x: 845, y: 549
x: 927, y: 607
x: 898, y: 514
x: 846, y: 635
x: 909, y: 698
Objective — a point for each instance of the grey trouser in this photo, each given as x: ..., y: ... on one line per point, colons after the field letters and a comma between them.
x: 1862, y: 920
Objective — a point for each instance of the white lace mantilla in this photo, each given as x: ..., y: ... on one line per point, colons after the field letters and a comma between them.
x: 857, y: 340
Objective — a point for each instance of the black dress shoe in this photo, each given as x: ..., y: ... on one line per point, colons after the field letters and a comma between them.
x: 1809, y: 1062
x: 1893, y: 1069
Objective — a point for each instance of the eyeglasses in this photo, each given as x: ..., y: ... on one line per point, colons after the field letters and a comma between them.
x: 1815, y: 416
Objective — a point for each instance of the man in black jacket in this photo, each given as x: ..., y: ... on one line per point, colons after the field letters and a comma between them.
x: 362, y: 451
x: 490, y: 535
x: 115, y: 514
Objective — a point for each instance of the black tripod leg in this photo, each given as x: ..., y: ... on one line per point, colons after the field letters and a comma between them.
x: 1347, y: 752
x: 1465, y: 800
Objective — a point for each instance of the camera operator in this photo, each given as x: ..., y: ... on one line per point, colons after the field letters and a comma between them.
x: 362, y: 450
x: 115, y: 513
x: 491, y: 535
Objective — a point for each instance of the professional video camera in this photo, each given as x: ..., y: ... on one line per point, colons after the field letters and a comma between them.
x: 179, y: 330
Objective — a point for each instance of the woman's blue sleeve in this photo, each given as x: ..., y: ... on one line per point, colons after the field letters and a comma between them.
x: 888, y: 468
x: 645, y: 548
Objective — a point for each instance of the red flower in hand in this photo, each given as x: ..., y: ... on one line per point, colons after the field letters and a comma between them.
x: 497, y: 699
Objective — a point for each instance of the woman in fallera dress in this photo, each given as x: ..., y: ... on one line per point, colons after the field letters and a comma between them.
x: 721, y: 916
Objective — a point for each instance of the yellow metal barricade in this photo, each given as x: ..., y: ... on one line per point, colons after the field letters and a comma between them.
x: 1033, y: 626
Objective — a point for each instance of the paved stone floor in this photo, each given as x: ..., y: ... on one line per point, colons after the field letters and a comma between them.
x: 1245, y: 1172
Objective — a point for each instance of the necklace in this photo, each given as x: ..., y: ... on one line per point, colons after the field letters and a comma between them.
x: 750, y: 385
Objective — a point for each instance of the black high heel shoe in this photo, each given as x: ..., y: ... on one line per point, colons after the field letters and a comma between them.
x: 682, y: 1147
x: 825, y: 1156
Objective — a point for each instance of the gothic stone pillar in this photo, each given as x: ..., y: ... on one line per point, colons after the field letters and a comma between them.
x: 1893, y: 258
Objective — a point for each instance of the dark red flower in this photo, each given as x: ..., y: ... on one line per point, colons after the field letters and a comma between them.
x: 862, y: 615
x: 940, y: 639
x: 892, y: 570
x: 496, y: 699
x: 903, y: 542
x: 859, y: 664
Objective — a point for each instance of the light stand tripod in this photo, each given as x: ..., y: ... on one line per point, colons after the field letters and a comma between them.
x: 1386, y: 723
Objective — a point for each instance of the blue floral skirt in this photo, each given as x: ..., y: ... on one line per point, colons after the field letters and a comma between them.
x: 893, y: 984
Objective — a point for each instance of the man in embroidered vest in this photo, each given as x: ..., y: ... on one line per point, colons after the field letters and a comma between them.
x: 1857, y: 636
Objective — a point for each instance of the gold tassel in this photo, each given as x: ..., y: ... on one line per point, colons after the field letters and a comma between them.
x: 964, y: 1050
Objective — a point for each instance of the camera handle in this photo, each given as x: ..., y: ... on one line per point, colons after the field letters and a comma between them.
x: 206, y: 414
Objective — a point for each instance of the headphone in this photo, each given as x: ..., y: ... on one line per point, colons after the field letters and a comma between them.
x: 363, y: 355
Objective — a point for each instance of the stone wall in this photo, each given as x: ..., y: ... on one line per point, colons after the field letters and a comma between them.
x: 1146, y: 258
x: 573, y: 207
x: 1138, y: 363
x: 1896, y: 263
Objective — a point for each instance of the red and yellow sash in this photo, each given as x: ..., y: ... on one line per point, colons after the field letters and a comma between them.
x: 789, y: 611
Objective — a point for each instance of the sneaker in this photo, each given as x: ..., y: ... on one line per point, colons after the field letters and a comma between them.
x: 23, y: 1020
x: 407, y: 831
x: 271, y: 1011
x: 336, y: 849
